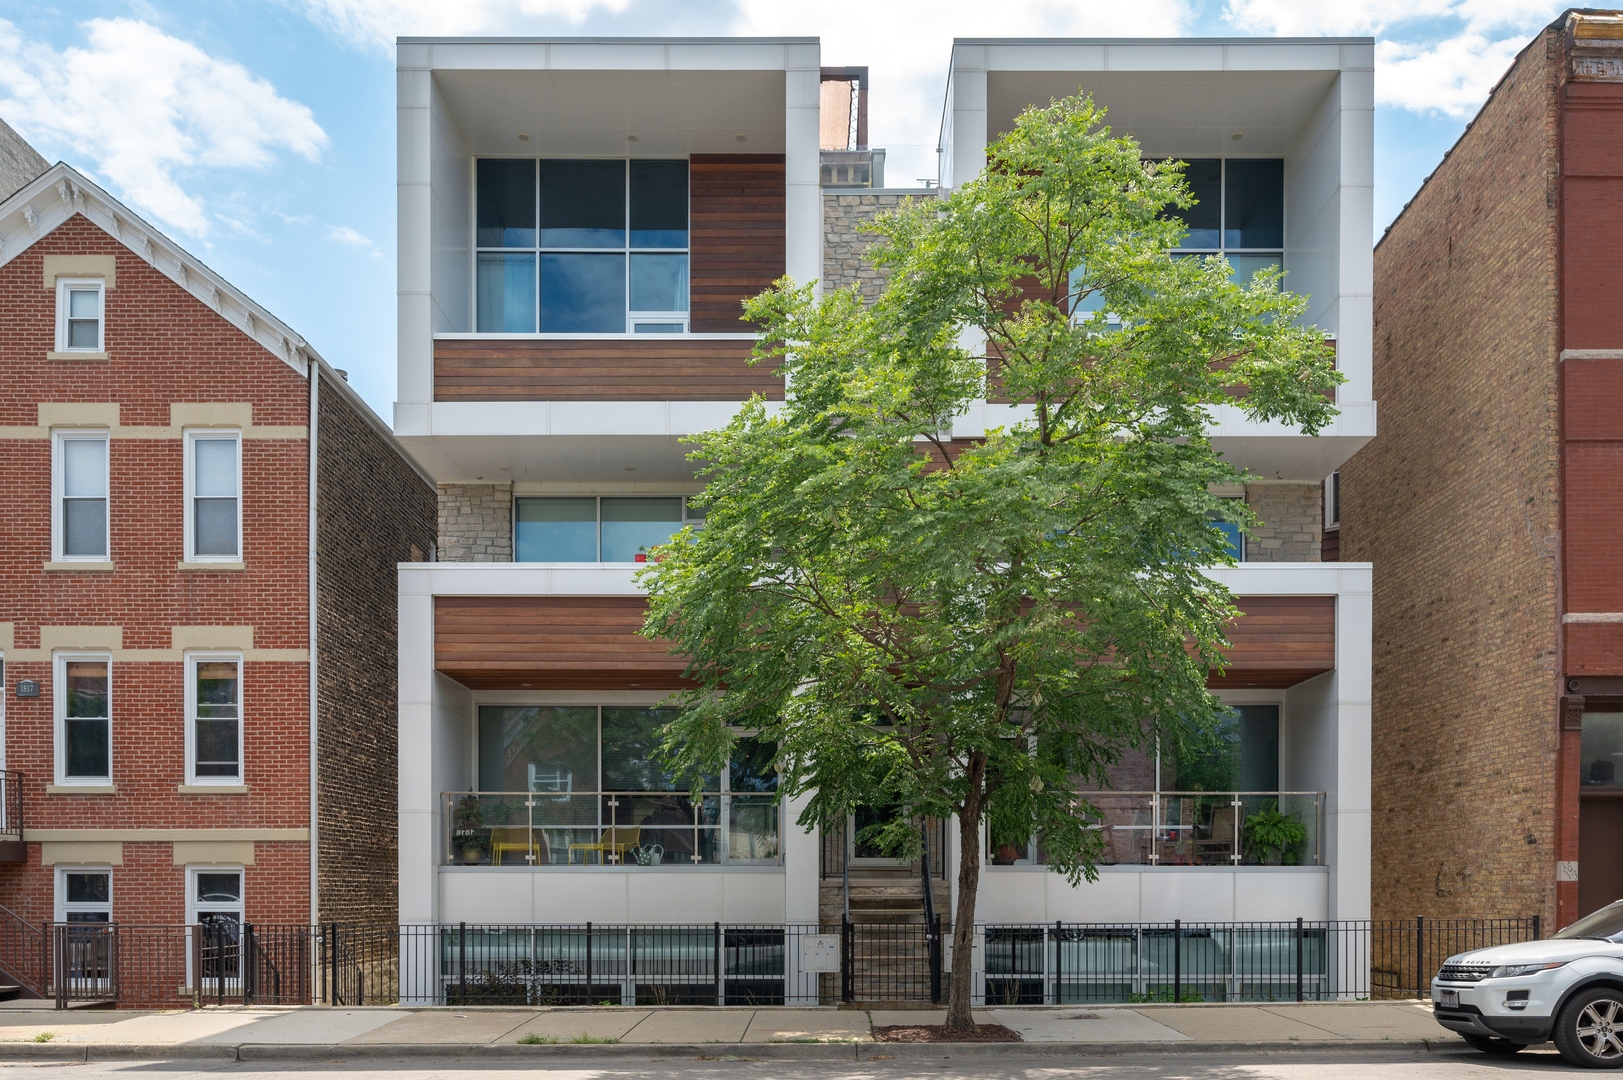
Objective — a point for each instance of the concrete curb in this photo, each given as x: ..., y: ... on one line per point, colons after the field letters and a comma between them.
x: 830, y: 1051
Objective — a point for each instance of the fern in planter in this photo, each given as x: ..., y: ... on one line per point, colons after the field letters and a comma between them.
x: 1271, y: 836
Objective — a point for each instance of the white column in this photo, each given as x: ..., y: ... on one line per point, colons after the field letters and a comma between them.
x: 1349, y: 823
x: 968, y: 118
x: 413, y: 227
x: 803, y: 209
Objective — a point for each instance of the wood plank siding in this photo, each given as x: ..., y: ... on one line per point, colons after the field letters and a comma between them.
x: 1279, y: 642
x: 591, y: 643
x: 736, y: 235
x: 657, y: 367
x: 550, y: 643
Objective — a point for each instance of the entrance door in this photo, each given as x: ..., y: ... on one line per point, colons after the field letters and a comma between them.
x: 1600, y: 811
x: 863, y: 851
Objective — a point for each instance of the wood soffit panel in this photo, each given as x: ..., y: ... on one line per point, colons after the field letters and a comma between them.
x: 591, y: 643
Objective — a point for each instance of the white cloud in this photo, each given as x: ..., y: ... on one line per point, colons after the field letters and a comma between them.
x: 1434, y: 55
x: 351, y: 237
x: 143, y: 109
x: 377, y: 23
x: 908, y: 45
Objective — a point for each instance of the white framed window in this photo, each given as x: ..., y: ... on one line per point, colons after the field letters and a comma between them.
x: 214, y: 496
x: 84, y: 894
x: 213, y: 718
x: 80, y: 326
x: 79, y: 496
x: 1332, y: 500
x: 84, y: 718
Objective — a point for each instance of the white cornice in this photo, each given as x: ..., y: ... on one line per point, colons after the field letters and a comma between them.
x: 54, y: 196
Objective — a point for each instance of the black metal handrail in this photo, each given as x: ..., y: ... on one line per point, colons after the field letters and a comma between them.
x: 22, y: 953
x: 932, y: 921
x: 11, y: 805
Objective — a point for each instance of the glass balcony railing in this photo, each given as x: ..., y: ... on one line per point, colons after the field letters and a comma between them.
x: 629, y: 829
x: 1196, y: 828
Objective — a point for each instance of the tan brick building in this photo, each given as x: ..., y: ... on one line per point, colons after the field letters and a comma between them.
x: 1491, y: 504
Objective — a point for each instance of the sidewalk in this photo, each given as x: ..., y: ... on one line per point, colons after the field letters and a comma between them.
x: 258, y: 1033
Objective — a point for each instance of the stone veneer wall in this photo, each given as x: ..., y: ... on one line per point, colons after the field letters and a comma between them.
x: 844, y: 244
x: 1290, y: 530
x: 476, y: 523
x: 1456, y: 504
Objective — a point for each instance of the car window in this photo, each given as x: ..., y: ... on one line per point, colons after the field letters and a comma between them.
x: 1607, y: 923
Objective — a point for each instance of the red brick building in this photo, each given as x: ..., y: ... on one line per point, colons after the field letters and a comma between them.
x: 197, y: 591
x: 1491, y: 503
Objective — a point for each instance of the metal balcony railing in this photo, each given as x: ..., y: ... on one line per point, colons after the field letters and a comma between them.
x: 610, y: 828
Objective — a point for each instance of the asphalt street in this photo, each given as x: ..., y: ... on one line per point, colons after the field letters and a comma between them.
x: 1346, y: 1065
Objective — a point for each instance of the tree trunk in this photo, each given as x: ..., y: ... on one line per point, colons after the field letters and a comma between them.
x: 960, y: 1016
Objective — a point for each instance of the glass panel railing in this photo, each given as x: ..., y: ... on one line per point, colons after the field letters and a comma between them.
x: 610, y: 828
x: 1196, y: 828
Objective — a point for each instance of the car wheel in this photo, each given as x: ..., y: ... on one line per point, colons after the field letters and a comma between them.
x: 1590, y: 1029
x: 1490, y: 1045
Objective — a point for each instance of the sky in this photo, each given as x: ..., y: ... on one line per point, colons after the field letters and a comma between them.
x: 260, y: 136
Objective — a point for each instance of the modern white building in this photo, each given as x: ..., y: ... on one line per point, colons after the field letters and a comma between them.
x: 579, y: 222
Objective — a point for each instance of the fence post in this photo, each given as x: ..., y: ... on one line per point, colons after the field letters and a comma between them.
x: 935, y: 961
x: 1298, y: 958
x: 1537, y: 932
x: 462, y: 963
x: 1059, y: 967
x: 721, y: 993
x: 332, y: 960
x: 246, y: 961
x: 1419, y: 956
x: 847, y: 959
x: 59, y: 937
x: 587, y: 1000
x: 1177, y: 961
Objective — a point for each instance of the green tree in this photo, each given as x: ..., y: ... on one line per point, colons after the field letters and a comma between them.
x: 977, y: 629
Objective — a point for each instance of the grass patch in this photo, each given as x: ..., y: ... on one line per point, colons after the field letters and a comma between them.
x: 532, y: 1039
x: 595, y: 1040
x: 45, y: 1036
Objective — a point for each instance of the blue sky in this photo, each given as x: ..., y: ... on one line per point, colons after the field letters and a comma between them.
x: 261, y: 135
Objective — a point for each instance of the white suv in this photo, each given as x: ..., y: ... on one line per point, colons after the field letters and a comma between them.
x: 1568, y: 988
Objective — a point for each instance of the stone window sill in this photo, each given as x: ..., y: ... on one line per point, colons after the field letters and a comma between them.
x: 81, y: 789
x: 206, y: 566
x: 84, y: 354
x: 82, y: 567
x: 212, y: 789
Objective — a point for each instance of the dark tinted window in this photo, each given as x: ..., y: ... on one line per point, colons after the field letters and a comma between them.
x: 659, y: 204
x: 1255, y: 211
x: 88, y: 888
x: 1204, y: 219
x: 506, y: 201
x: 583, y: 204
x: 583, y: 294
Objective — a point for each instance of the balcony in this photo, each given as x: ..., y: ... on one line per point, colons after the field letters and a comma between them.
x: 12, y: 847
x: 624, y: 830
x: 1198, y: 828
x: 584, y: 367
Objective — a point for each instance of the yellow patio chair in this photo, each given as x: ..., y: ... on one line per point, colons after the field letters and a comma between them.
x: 517, y: 838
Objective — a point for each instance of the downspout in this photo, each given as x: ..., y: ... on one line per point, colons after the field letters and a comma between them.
x: 315, y: 823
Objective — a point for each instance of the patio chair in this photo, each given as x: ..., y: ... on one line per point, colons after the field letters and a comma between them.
x: 517, y: 838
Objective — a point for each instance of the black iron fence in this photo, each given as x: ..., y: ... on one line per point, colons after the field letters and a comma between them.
x: 223, y: 962
x: 1070, y: 963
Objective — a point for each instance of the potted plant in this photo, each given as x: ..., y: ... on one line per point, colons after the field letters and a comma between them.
x: 641, y: 555
x: 1271, y: 835
x: 468, y: 834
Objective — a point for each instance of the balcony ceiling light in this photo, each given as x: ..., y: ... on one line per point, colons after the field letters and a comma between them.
x: 741, y: 137
x: 523, y: 136
x: 1238, y: 135
x: 631, y: 138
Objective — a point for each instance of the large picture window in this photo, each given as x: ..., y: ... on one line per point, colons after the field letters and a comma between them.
x: 593, y: 246
x: 1239, y: 212
x: 584, y: 785
x: 590, y: 528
